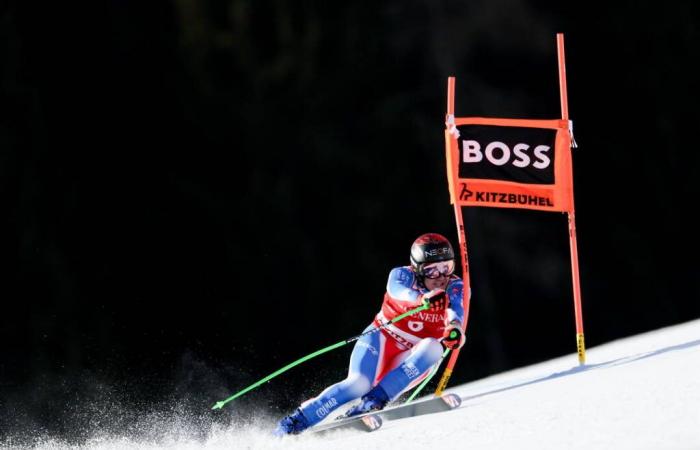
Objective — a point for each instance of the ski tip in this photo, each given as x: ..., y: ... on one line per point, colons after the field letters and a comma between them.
x: 372, y: 422
x: 452, y: 400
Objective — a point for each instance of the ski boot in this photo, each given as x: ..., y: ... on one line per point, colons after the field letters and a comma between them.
x: 292, y: 424
x: 374, y: 400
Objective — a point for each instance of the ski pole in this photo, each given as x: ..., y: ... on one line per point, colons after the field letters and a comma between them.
x: 427, y: 380
x: 221, y: 403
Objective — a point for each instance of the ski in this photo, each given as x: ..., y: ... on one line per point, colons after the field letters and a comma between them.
x: 445, y: 402
x: 373, y: 421
x: 365, y: 422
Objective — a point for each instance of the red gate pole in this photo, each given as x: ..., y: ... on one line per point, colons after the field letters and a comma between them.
x: 580, y: 344
x: 466, y: 293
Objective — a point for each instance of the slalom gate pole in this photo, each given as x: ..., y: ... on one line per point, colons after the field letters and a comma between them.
x: 221, y: 403
x: 580, y: 343
x: 452, y: 171
x: 427, y: 380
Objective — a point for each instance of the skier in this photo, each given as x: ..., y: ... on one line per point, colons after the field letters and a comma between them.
x: 391, y: 361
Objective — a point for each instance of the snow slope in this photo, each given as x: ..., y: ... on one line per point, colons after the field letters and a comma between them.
x: 641, y: 392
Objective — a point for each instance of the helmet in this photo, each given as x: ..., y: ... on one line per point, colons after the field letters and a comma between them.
x: 430, y: 248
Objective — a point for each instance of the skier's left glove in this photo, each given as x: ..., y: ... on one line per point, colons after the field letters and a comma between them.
x: 453, y: 337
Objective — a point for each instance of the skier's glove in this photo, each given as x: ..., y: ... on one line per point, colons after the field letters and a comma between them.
x: 453, y: 338
x: 435, y: 299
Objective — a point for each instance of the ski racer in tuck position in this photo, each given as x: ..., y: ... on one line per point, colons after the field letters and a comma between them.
x: 391, y: 361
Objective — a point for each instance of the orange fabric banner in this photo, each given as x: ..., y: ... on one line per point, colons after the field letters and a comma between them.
x: 510, y: 163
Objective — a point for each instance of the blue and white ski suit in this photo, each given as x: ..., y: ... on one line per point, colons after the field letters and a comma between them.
x: 399, y: 356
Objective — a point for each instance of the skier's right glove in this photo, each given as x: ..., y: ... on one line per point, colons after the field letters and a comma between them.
x: 435, y: 299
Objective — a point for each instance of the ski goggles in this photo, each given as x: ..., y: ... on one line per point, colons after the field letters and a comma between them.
x: 435, y: 270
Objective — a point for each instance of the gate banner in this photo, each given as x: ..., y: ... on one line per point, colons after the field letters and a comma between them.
x: 510, y: 163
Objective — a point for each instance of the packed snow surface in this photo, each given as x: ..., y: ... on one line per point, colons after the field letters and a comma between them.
x: 641, y: 392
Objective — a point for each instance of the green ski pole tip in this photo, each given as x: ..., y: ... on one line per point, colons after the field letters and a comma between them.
x: 218, y: 405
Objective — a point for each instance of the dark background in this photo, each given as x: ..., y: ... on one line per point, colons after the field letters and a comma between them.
x: 196, y: 193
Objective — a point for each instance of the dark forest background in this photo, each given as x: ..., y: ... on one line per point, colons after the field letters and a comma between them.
x: 196, y: 193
